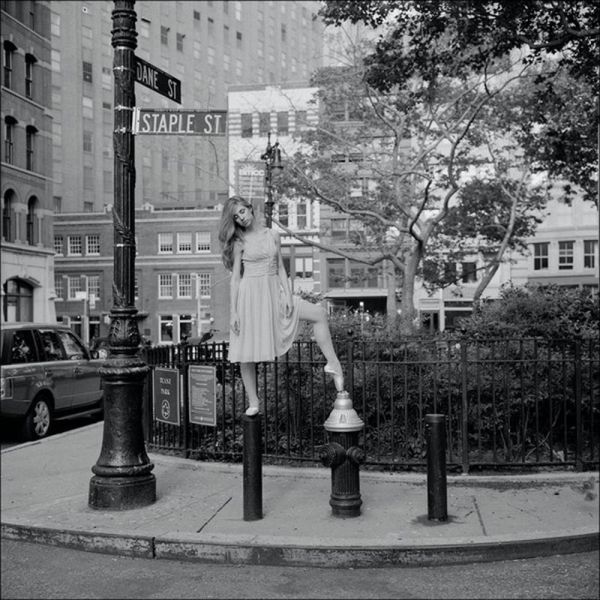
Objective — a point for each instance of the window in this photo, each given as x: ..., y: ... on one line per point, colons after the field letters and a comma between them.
x: 74, y: 245
x: 184, y: 243
x: 23, y: 347
x: 238, y: 37
x: 88, y: 178
x: 58, y: 286
x: 9, y: 135
x: 184, y: 285
x: 30, y: 60
x: 92, y: 244
x: 185, y: 326
x: 30, y: 224
x: 363, y: 276
x: 304, y: 267
x: 336, y: 273
x: 211, y: 55
x: 87, y: 141
x: 164, y: 35
x: 565, y: 255
x: 73, y: 286
x: 283, y: 213
x: 180, y: 37
x: 540, y: 256
x: 282, y: 123
x: 196, y: 15
x: 9, y: 52
x: 203, y: 241
x: 204, y: 283
x: 283, y: 33
x: 165, y: 285
x: 30, y: 146
x: 58, y: 244
x: 246, y: 125
x: 469, y: 272
x: 93, y: 286
x: 165, y: 243
x: 301, y: 121
x: 301, y: 215
x: 87, y: 105
x: 87, y: 71
x: 7, y: 217
x: 339, y: 228
x: 264, y: 123
x: 589, y: 254
x: 166, y: 328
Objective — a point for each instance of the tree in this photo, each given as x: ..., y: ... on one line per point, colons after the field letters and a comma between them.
x: 415, y: 148
x: 430, y: 39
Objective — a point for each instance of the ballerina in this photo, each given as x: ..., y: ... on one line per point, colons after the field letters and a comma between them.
x: 264, y: 314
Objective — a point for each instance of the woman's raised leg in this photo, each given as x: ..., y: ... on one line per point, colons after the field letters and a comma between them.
x: 315, y: 314
x: 248, y: 371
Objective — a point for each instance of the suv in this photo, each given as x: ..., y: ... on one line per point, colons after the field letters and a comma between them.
x: 47, y: 375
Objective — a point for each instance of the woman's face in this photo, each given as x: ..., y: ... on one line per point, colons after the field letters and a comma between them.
x: 243, y: 216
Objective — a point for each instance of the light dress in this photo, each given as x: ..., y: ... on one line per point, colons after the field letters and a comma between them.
x: 265, y: 332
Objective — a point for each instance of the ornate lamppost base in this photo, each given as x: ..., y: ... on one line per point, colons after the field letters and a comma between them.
x: 122, y: 493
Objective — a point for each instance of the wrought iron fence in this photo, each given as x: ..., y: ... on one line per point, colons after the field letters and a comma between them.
x: 509, y: 403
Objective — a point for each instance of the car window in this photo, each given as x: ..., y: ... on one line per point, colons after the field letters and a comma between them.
x: 52, y: 345
x: 23, y: 347
x: 74, y: 350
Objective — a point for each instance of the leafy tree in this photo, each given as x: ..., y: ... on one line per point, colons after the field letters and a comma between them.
x: 431, y: 39
x: 395, y: 162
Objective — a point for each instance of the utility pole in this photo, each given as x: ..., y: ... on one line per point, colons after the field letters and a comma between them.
x: 122, y: 475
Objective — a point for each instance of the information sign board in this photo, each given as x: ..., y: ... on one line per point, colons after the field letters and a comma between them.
x: 203, y: 394
x: 156, y: 79
x: 179, y: 122
x: 165, y: 392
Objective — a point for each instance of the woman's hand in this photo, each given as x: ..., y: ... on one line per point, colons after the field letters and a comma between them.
x: 288, y: 304
x: 234, y: 323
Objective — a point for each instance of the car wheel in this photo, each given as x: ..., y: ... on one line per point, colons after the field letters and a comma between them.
x: 38, y: 420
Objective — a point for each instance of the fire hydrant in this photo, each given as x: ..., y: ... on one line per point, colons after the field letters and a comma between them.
x: 344, y: 456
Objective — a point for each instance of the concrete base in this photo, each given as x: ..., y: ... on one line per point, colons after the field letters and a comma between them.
x: 122, y: 493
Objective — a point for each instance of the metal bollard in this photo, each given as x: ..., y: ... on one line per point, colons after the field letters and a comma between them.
x: 344, y: 457
x: 252, y: 467
x: 437, y: 500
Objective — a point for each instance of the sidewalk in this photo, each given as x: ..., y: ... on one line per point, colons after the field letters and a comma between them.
x: 198, y: 514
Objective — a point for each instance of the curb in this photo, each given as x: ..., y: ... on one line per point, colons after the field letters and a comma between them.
x: 308, y: 553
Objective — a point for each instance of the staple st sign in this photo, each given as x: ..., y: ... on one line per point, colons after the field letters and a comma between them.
x: 179, y: 122
x: 157, y: 80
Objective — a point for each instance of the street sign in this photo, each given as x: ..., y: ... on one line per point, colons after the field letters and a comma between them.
x: 179, y: 122
x: 157, y: 80
x: 165, y: 388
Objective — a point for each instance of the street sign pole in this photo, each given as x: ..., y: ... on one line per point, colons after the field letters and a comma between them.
x: 122, y: 474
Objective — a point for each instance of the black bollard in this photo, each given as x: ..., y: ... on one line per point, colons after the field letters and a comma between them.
x: 252, y: 459
x: 437, y: 501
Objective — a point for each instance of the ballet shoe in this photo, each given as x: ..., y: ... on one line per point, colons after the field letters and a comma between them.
x: 338, y: 377
x: 252, y: 410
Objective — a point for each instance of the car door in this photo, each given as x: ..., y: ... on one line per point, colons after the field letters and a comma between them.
x: 56, y: 368
x: 86, y: 378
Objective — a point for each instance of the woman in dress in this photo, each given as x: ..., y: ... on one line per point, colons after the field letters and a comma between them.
x: 264, y: 314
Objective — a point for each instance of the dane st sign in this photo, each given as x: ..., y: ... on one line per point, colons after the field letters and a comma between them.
x: 157, y: 80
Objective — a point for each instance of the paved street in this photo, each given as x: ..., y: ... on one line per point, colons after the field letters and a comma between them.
x: 38, y: 571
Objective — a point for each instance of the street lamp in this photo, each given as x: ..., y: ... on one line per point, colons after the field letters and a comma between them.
x: 122, y: 474
x: 272, y: 159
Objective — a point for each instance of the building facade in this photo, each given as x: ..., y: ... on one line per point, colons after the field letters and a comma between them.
x: 208, y: 46
x: 181, y: 286
x: 26, y: 167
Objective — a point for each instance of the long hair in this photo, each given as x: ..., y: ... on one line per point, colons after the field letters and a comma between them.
x: 229, y: 230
